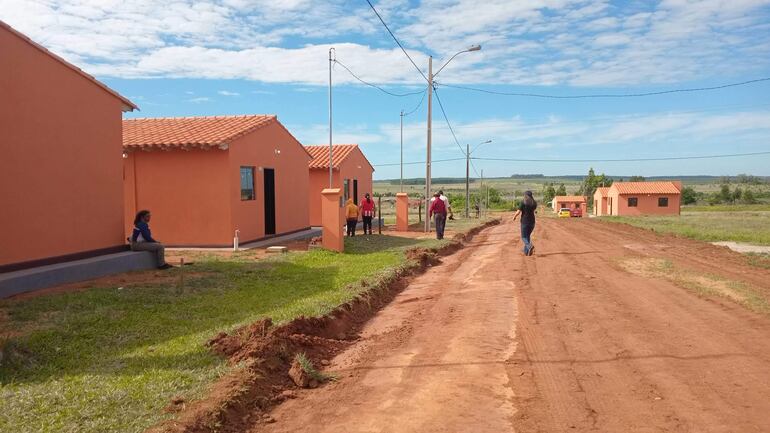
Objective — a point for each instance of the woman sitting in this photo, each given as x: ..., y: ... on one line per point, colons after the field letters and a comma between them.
x: 141, y: 239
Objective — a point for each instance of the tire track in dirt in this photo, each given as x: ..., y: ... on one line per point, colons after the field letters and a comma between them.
x: 434, y: 360
x: 632, y: 354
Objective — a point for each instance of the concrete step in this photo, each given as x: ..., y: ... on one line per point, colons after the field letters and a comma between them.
x: 28, y: 280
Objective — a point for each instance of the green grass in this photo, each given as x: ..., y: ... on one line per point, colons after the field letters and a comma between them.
x: 109, y: 359
x: 728, y: 208
x: 752, y: 227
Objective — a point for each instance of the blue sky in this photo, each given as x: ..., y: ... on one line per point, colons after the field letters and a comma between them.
x: 185, y: 58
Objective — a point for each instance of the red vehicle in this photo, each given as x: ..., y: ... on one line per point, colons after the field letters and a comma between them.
x: 576, y: 213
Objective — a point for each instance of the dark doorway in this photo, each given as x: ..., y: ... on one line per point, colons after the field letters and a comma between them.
x: 269, y: 174
x: 355, y: 191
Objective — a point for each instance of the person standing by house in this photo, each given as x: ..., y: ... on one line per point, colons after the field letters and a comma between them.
x: 141, y: 239
x: 527, y: 209
x: 351, y: 216
x: 367, y: 212
x: 438, y: 211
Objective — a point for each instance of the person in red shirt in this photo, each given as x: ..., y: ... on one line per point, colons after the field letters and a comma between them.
x: 367, y: 212
x: 438, y: 211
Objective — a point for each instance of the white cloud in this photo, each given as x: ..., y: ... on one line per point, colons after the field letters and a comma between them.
x: 199, y: 100
x: 228, y: 93
x: 541, y: 42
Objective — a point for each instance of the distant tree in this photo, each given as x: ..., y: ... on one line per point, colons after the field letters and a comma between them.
x: 724, y: 180
x: 689, y: 196
x: 636, y: 179
x: 748, y: 197
x: 737, y: 194
x: 562, y: 190
x: 548, y: 193
x: 725, y: 196
x: 590, y: 183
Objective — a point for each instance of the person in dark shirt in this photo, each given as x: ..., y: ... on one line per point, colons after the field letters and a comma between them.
x: 527, y: 212
x: 141, y: 239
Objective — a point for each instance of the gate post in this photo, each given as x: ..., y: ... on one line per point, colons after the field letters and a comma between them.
x: 331, y: 217
x: 402, y: 212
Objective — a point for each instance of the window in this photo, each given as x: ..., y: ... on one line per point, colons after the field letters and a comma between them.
x: 346, y: 190
x: 247, y: 183
x: 662, y: 201
x: 632, y: 201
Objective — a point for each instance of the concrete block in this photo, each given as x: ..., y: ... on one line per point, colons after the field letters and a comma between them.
x: 277, y: 250
x: 28, y: 280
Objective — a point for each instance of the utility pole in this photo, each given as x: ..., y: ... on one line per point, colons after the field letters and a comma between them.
x: 481, y: 191
x: 428, y: 160
x: 331, y: 166
x: 402, y: 151
x: 467, y: 181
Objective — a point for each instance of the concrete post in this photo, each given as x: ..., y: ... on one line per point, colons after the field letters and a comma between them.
x: 331, y: 217
x: 402, y: 212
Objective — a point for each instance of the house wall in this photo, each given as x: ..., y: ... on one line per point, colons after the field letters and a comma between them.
x: 568, y: 204
x: 355, y: 166
x: 258, y: 149
x: 186, y: 191
x: 647, y: 204
x: 60, y: 158
x: 600, y: 205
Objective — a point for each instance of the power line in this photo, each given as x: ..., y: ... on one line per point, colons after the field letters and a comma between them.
x: 396, y: 39
x: 605, y: 95
x: 374, y: 85
x: 418, y: 162
x: 447, y: 122
x: 670, y: 158
x: 424, y: 92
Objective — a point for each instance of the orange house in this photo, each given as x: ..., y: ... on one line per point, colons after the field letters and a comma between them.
x: 352, y: 173
x: 600, y: 201
x: 60, y: 158
x: 204, y: 178
x: 569, y: 202
x: 644, y: 198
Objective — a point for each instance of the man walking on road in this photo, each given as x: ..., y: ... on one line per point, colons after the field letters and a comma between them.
x: 438, y: 208
x: 527, y: 212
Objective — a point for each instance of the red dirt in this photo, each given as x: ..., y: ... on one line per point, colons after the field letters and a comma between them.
x: 265, y: 353
x: 566, y: 341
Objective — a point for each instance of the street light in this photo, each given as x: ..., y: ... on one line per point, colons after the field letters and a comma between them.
x: 467, y: 175
x: 431, y: 76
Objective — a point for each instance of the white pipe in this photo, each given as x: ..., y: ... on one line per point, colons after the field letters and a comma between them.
x: 236, y: 240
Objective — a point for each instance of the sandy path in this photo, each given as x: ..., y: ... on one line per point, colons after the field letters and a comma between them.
x: 491, y: 341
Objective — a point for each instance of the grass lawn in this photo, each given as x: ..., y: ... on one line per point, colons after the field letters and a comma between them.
x: 109, y: 359
x: 747, y: 226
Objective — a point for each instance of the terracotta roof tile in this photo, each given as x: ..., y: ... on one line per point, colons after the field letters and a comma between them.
x: 172, y: 132
x: 563, y: 198
x: 624, y: 188
x: 603, y: 190
x: 127, y: 105
x: 320, y: 155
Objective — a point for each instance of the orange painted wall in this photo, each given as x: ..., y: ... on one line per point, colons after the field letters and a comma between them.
x: 186, y: 191
x: 647, y: 204
x: 195, y: 196
x: 60, y: 165
x: 557, y: 205
x: 292, y: 179
x: 355, y: 166
x: 600, y: 205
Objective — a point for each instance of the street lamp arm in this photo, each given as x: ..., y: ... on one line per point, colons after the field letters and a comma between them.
x: 473, y: 48
x: 481, y: 144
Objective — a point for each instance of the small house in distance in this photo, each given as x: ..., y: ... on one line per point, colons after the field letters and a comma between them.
x: 352, y: 174
x: 61, y: 187
x: 570, y: 202
x: 203, y: 178
x: 600, y: 201
x: 644, y: 198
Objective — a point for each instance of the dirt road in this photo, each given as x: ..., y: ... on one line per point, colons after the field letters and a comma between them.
x: 567, y: 341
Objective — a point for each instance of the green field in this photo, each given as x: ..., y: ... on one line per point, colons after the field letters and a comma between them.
x: 109, y: 359
x: 747, y: 225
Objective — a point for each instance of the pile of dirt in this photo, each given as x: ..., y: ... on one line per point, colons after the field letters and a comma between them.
x: 263, y: 353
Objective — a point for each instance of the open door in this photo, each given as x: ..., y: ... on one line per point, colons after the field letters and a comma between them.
x: 355, y: 191
x: 269, y: 195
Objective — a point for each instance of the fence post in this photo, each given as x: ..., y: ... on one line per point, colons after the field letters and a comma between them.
x: 419, y: 212
x: 379, y: 215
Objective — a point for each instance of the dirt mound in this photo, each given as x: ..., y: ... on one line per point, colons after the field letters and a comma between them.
x: 263, y: 353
